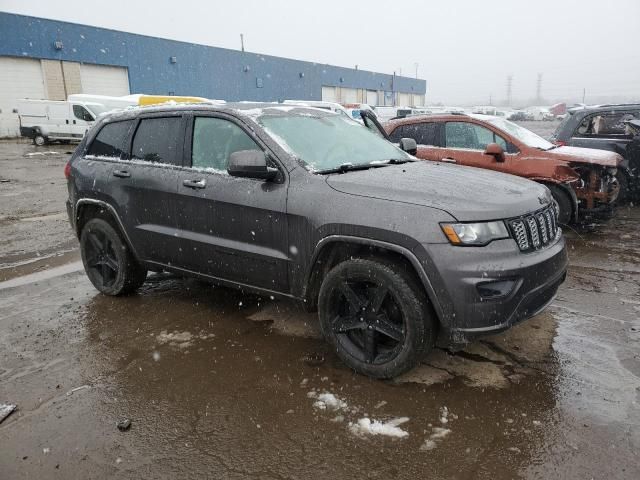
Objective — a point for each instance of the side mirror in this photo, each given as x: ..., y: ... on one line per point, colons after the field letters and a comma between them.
x: 250, y: 164
x: 495, y: 150
x: 409, y: 145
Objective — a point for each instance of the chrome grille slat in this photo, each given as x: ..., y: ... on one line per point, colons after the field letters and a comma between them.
x: 542, y: 225
x: 533, y: 231
x: 536, y: 230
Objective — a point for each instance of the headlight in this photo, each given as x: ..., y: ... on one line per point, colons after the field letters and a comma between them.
x: 474, y: 233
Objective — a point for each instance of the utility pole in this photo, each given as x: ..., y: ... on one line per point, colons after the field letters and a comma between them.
x: 539, y: 89
x: 242, y: 41
x: 416, y: 64
x: 509, y: 85
x: 584, y: 93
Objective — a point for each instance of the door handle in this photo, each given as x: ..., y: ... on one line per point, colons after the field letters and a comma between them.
x: 121, y: 173
x: 449, y: 160
x: 195, y: 183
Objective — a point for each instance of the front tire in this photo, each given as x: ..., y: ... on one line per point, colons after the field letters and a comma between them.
x: 107, y: 260
x: 376, y: 317
x: 564, y: 202
x: 39, y: 140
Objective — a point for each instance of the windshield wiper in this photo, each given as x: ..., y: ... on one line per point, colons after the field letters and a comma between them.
x: 347, y: 167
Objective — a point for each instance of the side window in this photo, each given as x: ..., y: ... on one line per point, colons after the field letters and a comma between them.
x: 427, y: 134
x: 422, y: 133
x: 397, y: 134
x: 605, y: 124
x: 82, y: 113
x: 214, y: 140
x: 156, y: 140
x: 110, y: 140
x: 471, y: 136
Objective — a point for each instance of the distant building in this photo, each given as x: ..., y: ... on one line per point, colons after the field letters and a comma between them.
x: 49, y: 59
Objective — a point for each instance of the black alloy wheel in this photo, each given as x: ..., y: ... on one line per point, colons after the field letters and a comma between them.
x: 375, y: 317
x: 107, y: 259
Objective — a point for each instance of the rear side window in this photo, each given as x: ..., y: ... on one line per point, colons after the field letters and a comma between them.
x: 110, y: 140
x: 422, y: 133
x: 605, y: 124
x: 156, y: 140
x: 214, y: 140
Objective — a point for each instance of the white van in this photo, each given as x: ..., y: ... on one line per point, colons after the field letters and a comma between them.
x: 48, y: 120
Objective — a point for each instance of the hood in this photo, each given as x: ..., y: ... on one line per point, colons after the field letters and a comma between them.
x: 468, y: 194
x: 592, y: 156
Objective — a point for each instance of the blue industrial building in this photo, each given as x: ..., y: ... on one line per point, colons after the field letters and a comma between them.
x: 70, y: 55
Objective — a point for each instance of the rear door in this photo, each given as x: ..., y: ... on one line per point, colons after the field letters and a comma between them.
x: 144, y: 187
x: 465, y: 143
x: 233, y: 228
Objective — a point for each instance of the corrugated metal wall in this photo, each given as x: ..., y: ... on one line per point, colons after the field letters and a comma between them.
x: 164, y: 66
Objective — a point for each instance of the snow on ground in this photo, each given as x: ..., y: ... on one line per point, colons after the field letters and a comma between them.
x: 366, y: 426
x: 437, y: 434
x: 180, y: 339
x: 327, y: 401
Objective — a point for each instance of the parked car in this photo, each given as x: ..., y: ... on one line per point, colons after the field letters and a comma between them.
x: 46, y: 121
x: 302, y: 203
x: 540, y: 114
x: 603, y: 127
x: 582, y: 181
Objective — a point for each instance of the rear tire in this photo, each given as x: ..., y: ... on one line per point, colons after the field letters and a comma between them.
x: 375, y: 317
x: 39, y: 140
x: 564, y: 202
x: 107, y: 260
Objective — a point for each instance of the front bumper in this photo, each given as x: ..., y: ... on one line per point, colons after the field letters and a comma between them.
x: 485, y: 290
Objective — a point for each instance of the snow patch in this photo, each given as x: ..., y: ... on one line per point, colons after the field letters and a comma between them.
x: 366, y: 426
x: 437, y: 434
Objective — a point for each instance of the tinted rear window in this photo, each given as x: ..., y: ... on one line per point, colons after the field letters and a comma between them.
x: 110, y: 140
x: 156, y: 140
x: 422, y: 133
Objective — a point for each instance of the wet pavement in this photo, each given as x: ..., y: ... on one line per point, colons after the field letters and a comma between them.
x: 218, y: 384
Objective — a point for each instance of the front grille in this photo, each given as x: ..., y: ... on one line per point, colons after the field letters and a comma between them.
x: 536, y: 230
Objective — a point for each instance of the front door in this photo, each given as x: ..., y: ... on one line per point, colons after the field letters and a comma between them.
x: 81, y: 120
x: 605, y: 131
x: 232, y: 228
x: 465, y: 143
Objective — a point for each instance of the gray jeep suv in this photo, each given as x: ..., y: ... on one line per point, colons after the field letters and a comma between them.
x: 395, y: 254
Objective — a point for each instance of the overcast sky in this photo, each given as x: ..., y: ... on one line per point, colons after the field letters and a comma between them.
x: 465, y: 49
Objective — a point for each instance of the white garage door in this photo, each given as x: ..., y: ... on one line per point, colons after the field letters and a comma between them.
x: 372, y: 97
x: 349, y: 95
x: 19, y: 78
x: 104, y: 80
x: 329, y: 94
x: 404, y: 100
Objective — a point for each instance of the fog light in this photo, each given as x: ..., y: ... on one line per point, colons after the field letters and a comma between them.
x: 496, y: 289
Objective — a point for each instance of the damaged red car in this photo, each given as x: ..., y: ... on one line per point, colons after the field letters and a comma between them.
x: 582, y: 180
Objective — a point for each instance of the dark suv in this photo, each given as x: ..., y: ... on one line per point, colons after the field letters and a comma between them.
x: 303, y: 203
x: 603, y: 127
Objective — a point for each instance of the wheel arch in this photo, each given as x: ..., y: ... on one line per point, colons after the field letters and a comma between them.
x: 88, y: 208
x: 333, y: 249
x: 565, y: 188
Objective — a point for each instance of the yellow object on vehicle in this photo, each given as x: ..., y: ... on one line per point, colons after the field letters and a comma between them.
x: 156, y: 99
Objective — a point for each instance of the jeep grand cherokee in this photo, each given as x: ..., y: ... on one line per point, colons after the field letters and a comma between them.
x: 396, y: 254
